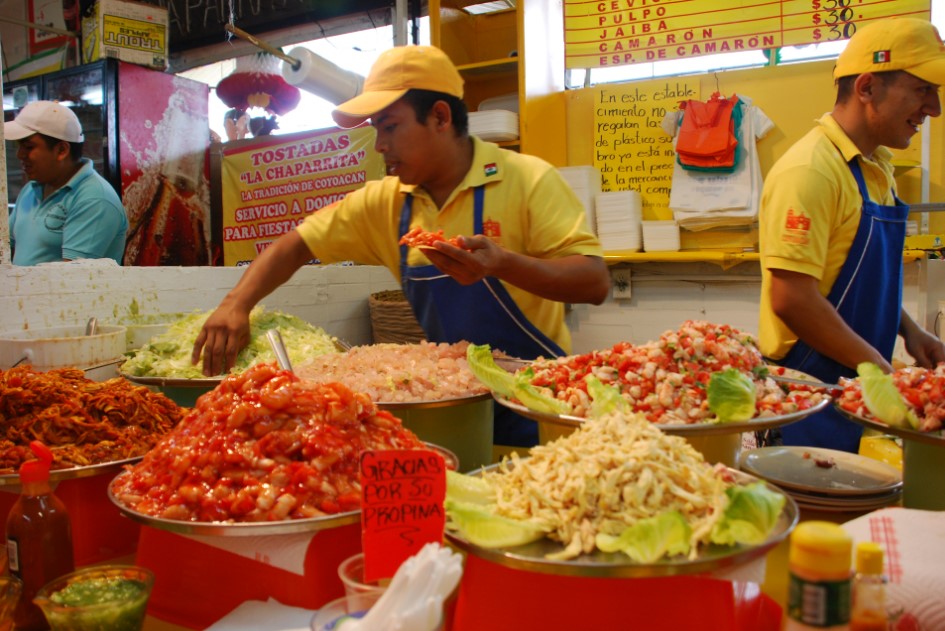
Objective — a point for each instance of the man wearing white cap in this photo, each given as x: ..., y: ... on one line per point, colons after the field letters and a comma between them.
x: 526, y: 248
x: 66, y: 211
x: 832, y: 228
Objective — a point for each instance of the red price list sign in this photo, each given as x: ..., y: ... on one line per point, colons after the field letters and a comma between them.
x: 402, y: 493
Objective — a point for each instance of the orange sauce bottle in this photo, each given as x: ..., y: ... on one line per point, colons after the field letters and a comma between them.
x: 39, y: 537
x: 869, y: 591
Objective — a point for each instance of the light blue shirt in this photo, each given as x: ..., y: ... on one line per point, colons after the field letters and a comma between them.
x: 84, y: 219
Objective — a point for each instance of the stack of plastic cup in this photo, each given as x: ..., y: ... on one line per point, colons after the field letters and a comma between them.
x: 351, y: 572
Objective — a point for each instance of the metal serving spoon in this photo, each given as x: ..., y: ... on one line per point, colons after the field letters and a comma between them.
x: 282, y: 355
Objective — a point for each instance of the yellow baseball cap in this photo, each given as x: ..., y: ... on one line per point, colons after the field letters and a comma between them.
x: 901, y: 43
x: 397, y: 70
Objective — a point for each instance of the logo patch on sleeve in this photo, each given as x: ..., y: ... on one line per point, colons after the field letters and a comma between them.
x: 492, y: 229
x: 796, y: 228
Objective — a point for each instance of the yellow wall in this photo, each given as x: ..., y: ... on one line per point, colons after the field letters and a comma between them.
x: 792, y: 96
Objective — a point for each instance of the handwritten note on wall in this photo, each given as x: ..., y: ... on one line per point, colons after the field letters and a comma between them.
x: 631, y: 149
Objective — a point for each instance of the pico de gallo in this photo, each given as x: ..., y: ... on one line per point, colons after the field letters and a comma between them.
x: 666, y: 380
x: 922, y: 389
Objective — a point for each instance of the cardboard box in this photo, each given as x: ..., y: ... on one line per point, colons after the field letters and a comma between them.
x: 130, y: 31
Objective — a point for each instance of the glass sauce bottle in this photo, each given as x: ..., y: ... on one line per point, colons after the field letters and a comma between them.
x: 39, y: 537
x: 869, y: 590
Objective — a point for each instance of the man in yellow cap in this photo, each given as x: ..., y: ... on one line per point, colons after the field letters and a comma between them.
x: 525, y: 250
x: 832, y: 228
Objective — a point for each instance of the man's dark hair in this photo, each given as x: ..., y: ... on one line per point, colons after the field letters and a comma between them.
x: 75, y: 148
x: 422, y: 102
x: 845, y: 84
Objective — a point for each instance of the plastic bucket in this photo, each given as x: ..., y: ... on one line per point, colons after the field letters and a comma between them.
x: 60, y: 347
x: 464, y: 428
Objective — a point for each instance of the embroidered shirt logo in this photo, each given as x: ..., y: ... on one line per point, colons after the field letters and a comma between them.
x: 881, y: 57
x: 492, y: 229
x: 491, y: 169
x: 796, y: 228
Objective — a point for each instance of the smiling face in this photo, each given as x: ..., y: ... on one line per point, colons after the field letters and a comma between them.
x: 900, y: 104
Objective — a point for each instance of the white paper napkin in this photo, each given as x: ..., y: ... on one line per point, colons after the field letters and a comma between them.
x: 271, y: 615
x: 913, y: 544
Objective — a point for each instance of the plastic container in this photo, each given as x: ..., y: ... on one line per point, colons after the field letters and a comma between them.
x: 39, y: 537
x: 112, y: 597
x: 464, y: 427
x: 351, y: 572
x: 142, y: 327
x: 331, y: 613
x: 63, y: 346
x: 820, y: 577
x: 869, y: 589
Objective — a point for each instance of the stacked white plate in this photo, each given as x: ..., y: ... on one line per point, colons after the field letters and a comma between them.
x: 826, y: 480
x: 660, y: 236
x: 494, y: 125
x: 585, y: 181
x: 619, y: 216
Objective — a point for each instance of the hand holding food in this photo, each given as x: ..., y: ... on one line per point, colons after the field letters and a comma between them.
x: 417, y: 237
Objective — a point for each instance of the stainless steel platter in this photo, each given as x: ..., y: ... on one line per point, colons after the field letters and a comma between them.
x: 676, y: 429
x: 57, y: 475
x: 618, y: 565
x: 929, y: 438
x: 251, y: 529
x: 174, y: 382
x: 815, y: 470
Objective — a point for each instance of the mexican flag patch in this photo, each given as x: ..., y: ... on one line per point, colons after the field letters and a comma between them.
x: 881, y: 57
x: 491, y: 169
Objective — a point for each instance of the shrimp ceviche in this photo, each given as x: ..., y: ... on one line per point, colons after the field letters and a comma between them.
x: 263, y: 446
x: 922, y: 390
x: 666, y: 380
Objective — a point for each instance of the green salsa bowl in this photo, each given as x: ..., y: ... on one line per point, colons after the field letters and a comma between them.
x: 99, y: 598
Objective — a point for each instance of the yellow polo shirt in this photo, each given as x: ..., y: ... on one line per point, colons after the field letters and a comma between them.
x: 810, y: 211
x: 528, y: 208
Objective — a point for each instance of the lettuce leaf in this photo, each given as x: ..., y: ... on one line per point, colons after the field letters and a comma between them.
x: 468, y: 489
x: 605, y: 399
x: 731, y: 395
x: 511, y: 386
x: 482, y: 364
x: 650, y: 539
x: 750, y: 516
x: 883, y: 399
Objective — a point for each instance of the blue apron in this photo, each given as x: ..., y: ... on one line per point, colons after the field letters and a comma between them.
x: 868, y: 296
x: 482, y: 313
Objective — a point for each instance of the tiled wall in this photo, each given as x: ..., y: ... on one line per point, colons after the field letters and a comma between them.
x: 336, y: 297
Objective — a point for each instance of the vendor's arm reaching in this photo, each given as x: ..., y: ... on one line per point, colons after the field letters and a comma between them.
x: 569, y: 279
x: 226, y: 331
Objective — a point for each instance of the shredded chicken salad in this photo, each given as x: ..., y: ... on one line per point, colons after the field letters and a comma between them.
x: 613, y: 471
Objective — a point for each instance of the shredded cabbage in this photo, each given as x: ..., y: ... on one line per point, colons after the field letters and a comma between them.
x: 168, y: 354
